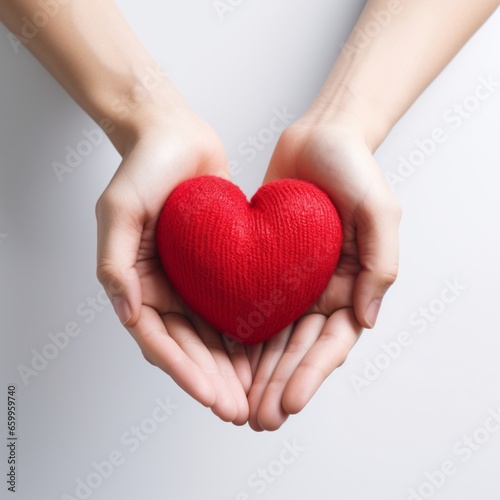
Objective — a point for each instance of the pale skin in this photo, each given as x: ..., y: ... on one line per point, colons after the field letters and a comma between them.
x: 92, y: 52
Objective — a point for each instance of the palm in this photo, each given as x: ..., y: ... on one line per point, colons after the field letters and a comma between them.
x: 290, y: 367
x: 169, y: 334
x: 319, y: 162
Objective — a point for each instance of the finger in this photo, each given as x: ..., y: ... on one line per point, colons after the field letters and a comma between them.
x: 254, y: 353
x: 118, y: 237
x: 271, y: 414
x: 378, y: 246
x: 152, y: 335
x: 271, y: 354
x: 239, y: 359
x: 201, y: 345
x: 157, y: 291
x: 231, y: 404
x: 339, y: 334
x: 339, y: 290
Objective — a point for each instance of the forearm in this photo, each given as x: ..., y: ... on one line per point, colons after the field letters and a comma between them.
x: 89, y: 48
x: 396, y: 49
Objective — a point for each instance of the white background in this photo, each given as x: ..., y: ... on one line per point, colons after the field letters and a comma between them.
x: 373, y: 443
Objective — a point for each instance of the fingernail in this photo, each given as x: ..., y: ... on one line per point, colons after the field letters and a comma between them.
x: 122, y: 309
x: 372, y: 312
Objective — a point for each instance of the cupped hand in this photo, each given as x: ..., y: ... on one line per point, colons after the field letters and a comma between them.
x: 165, y: 153
x: 289, y: 368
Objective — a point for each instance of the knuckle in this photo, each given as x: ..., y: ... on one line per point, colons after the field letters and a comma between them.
x: 388, y: 275
x: 108, y: 277
x: 295, y: 347
x: 148, y: 358
x: 341, y: 360
x: 112, y: 201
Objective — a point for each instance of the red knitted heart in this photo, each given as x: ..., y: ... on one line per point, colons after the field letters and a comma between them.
x: 249, y: 269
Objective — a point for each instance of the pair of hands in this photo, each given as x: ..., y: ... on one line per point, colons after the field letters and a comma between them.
x: 265, y: 383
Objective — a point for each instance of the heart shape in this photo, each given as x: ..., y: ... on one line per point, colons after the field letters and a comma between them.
x: 249, y: 268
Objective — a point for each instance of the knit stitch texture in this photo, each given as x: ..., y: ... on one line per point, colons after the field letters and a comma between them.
x: 249, y: 268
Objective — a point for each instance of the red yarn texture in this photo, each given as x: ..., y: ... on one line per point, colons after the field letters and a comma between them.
x: 249, y: 268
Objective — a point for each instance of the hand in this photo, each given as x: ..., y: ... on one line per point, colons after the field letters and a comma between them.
x: 289, y: 368
x: 165, y: 153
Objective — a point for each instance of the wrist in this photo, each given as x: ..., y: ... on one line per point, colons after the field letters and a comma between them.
x: 350, y: 114
x: 127, y: 109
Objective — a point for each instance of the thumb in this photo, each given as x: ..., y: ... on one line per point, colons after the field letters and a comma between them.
x: 119, y: 233
x: 377, y: 224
